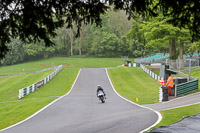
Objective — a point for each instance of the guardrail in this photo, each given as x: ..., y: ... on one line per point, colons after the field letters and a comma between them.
x: 154, y: 76
x: 27, y: 90
x: 150, y: 73
x: 186, y: 88
x: 180, y: 89
x: 46, y: 69
x: 133, y: 64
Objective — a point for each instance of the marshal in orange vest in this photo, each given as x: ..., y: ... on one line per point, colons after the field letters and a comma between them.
x: 170, y: 83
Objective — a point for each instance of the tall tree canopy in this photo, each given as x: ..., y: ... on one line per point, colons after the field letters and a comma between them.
x: 36, y: 20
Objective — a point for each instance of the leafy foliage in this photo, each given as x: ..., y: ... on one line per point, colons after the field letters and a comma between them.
x: 107, y: 41
x: 156, y: 35
x: 35, y: 20
x: 16, y: 53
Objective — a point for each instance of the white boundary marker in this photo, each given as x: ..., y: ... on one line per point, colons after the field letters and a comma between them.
x: 43, y: 107
x: 159, y: 115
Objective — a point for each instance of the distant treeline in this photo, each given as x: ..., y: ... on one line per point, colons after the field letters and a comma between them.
x: 117, y: 37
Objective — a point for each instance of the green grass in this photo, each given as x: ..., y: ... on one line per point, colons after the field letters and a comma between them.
x: 72, y: 62
x: 174, y: 115
x: 157, y: 72
x: 133, y: 83
x: 59, y: 85
x: 196, y: 73
x: 129, y: 82
x: 9, y: 86
x: 13, y: 112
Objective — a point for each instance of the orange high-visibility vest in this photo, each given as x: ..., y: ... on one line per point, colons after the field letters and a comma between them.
x: 170, y: 81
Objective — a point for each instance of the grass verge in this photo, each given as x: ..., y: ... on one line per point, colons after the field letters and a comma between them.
x: 174, y: 115
x: 13, y: 112
x: 133, y: 83
x: 72, y: 62
x: 156, y: 71
x: 9, y: 86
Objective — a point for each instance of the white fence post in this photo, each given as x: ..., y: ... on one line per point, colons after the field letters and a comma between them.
x: 152, y: 75
x: 33, y: 87
x: 175, y: 90
x: 156, y: 77
x: 20, y: 93
x: 160, y: 94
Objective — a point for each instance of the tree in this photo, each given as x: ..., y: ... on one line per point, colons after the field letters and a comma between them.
x: 157, y: 33
x: 109, y: 44
x: 119, y: 24
x: 31, y: 50
x: 137, y: 37
x: 70, y: 33
x: 35, y: 20
x: 16, y: 54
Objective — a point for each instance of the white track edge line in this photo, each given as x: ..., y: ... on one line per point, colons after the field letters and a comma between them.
x: 43, y: 107
x: 159, y: 115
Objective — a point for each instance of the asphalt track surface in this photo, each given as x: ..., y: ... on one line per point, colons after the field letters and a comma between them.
x: 81, y: 112
x: 177, y: 102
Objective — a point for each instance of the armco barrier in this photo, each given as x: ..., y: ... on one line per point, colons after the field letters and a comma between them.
x: 150, y: 73
x: 186, y: 88
x: 132, y: 65
x: 180, y: 89
x: 27, y: 90
x: 154, y: 76
x: 50, y: 68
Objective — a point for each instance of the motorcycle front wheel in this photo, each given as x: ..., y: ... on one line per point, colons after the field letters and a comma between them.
x: 102, y: 99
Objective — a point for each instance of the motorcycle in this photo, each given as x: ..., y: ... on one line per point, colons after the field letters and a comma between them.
x: 101, y: 96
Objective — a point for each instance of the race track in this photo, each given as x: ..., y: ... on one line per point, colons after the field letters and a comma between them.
x: 177, y: 102
x: 81, y: 112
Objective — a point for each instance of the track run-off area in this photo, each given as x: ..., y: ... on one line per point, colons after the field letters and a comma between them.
x: 187, y: 100
x: 80, y: 111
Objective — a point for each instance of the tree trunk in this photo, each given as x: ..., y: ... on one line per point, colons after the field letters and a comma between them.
x: 65, y: 44
x: 172, y: 50
x: 71, y: 37
x: 71, y: 47
x: 79, y: 45
x: 181, y: 64
x: 46, y: 55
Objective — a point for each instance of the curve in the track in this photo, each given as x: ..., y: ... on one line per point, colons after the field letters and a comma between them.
x: 82, y: 112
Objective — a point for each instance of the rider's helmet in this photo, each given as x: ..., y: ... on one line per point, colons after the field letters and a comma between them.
x: 99, y: 86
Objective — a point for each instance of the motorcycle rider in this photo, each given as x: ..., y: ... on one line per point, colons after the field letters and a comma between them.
x: 99, y: 88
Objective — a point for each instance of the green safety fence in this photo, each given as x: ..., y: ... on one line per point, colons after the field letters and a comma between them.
x: 186, y: 88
